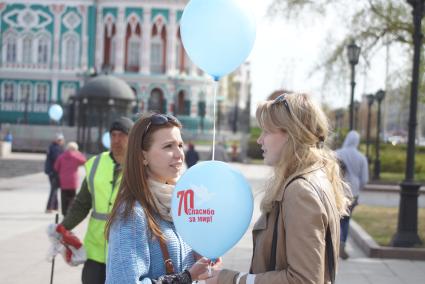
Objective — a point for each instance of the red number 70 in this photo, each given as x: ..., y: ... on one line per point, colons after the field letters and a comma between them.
x: 188, y: 197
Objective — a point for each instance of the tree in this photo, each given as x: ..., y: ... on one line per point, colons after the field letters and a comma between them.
x: 374, y: 24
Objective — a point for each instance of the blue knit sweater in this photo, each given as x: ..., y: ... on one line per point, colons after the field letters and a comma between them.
x: 133, y: 253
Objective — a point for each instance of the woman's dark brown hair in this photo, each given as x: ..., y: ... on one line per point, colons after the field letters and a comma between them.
x: 134, y: 183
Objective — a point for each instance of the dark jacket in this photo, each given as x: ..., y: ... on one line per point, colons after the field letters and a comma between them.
x: 52, y: 154
x: 192, y: 157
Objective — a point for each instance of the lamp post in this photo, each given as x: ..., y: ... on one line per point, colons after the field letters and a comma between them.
x: 380, y: 95
x: 356, y: 114
x: 339, y: 117
x: 353, y: 53
x: 407, y: 228
x: 370, y: 99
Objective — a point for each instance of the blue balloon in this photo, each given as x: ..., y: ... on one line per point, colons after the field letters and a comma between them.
x: 106, y: 140
x: 212, y: 207
x: 55, y: 112
x: 218, y: 35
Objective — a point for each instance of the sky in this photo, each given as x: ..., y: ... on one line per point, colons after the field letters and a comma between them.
x: 285, y: 53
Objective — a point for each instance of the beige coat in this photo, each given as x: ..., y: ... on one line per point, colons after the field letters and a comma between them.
x: 300, y: 252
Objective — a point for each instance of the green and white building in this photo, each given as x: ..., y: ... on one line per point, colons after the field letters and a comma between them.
x: 50, y: 47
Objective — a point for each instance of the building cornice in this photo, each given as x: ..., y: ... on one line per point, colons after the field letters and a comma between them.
x: 35, y: 74
x: 51, y: 2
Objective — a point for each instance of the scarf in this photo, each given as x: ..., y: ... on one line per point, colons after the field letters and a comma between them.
x: 162, y: 194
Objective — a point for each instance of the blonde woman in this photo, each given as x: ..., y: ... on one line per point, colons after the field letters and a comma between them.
x: 296, y: 239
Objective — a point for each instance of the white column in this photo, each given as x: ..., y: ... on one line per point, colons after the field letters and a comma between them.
x: 171, y: 42
x: 146, y: 41
x: 54, y: 88
x: 83, y: 10
x: 120, y: 36
x: 99, y: 39
x: 57, y: 11
x: 193, y: 104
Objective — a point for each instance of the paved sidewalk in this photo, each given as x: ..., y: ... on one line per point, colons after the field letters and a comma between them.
x: 24, y: 244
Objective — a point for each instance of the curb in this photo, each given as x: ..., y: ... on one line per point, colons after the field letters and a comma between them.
x: 388, y: 188
x: 373, y: 250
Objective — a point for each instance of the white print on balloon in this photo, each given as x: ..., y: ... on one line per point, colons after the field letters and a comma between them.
x: 202, y: 194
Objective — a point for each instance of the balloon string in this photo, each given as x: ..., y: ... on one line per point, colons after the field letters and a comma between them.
x: 209, y: 270
x: 215, y: 110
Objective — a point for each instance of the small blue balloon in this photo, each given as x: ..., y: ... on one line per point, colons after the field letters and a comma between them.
x: 218, y: 35
x: 212, y: 207
x: 106, y: 140
x: 55, y: 112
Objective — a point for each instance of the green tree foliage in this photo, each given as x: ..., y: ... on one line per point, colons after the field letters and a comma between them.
x: 372, y: 23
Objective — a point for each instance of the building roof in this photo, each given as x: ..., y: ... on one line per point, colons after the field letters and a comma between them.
x: 106, y: 86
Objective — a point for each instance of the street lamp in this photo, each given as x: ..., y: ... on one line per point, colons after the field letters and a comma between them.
x: 407, y: 229
x: 370, y: 99
x: 380, y: 95
x: 353, y: 53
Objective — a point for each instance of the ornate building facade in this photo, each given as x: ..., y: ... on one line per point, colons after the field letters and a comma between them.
x: 49, y: 48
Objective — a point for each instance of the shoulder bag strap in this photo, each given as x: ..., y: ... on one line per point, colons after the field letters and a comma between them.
x: 169, y: 267
x: 272, y: 263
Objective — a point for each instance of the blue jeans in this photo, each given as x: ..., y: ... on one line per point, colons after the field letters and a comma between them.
x: 52, y: 202
x: 345, y: 225
x: 345, y: 221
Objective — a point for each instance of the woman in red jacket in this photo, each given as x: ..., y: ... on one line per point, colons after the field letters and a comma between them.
x: 67, y: 167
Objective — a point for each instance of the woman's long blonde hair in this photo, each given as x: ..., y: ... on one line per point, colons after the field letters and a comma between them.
x: 134, y: 184
x: 307, y: 128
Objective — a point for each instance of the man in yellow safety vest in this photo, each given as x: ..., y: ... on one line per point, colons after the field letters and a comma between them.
x: 97, y: 194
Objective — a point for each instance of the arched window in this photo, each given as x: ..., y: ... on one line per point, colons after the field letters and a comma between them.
x: 27, y: 49
x: 133, y: 52
x: 71, y: 51
x: 11, y: 47
x: 183, y: 105
x: 180, y: 103
x: 158, y: 49
x: 156, y: 101
x: 25, y: 93
x: 9, y: 92
x: 43, y: 50
x: 133, y: 44
x: 68, y: 90
x: 109, y: 45
x: 41, y: 93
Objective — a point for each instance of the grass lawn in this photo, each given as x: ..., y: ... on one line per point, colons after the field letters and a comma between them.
x: 381, y: 222
x: 398, y: 177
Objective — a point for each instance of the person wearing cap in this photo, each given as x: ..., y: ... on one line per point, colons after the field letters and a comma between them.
x: 97, y: 194
x: 54, y: 151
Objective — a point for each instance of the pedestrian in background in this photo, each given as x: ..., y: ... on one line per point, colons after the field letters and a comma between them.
x: 296, y: 239
x: 356, y: 175
x: 66, y: 166
x: 144, y: 246
x: 220, y: 153
x: 53, y: 152
x: 192, y: 156
x: 8, y: 137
